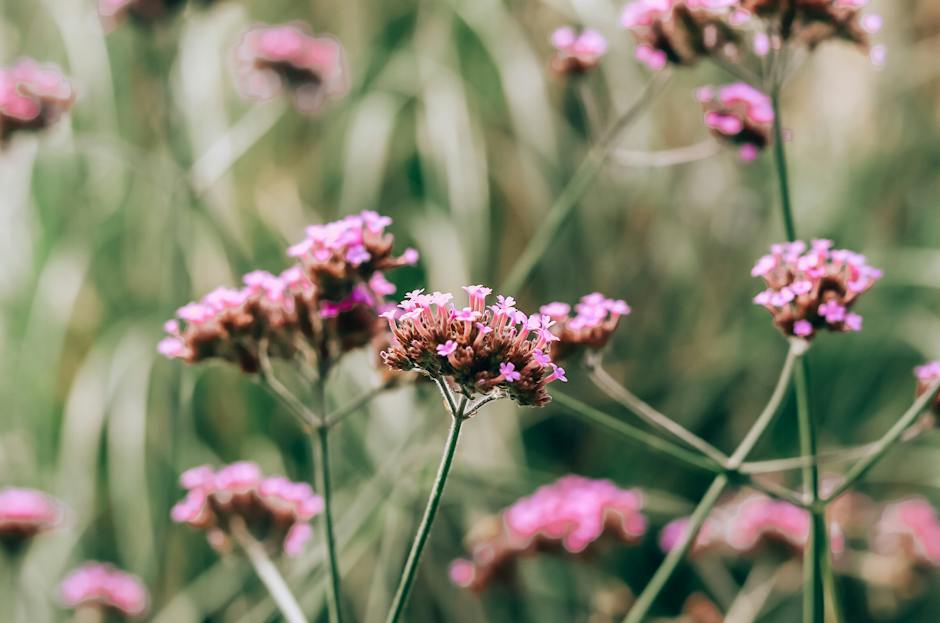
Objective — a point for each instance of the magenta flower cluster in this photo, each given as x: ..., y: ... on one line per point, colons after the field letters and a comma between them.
x: 739, y: 114
x: 573, y: 513
x: 274, y: 509
x: 576, y: 52
x: 813, y: 287
x: 482, y: 349
x: 911, y: 527
x: 25, y: 513
x: 32, y: 97
x: 102, y: 587
x: 595, y: 319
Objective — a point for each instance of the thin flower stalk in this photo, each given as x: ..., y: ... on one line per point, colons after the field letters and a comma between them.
x: 268, y: 574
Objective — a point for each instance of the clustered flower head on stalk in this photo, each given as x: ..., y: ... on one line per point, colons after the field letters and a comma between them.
x: 274, y: 510
x: 813, y: 287
x: 910, y: 528
x: 325, y: 305
x: 577, y: 53
x: 33, y: 96
x: 496, y: 350
x: 102, y: 587
x: 24, y: 514
x: 747, y: 525
x: 739, y: 114
x: 288, y: 57
x: 590, y: 328
x: 811, y: 22
x: 568, y: 515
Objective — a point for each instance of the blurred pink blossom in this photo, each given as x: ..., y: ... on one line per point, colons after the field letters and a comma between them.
x: 102, y: 586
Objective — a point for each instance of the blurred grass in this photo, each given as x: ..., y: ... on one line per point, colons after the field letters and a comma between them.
x: 165, y: 184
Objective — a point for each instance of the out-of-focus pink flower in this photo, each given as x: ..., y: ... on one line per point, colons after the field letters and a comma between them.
x: 32, y: 97
x: 275, y: 510
x: 103, y: 587
x: 912, y: 528
x: 739, y: 114
x: 271, y: 59
x: 25, y: 513
x: 572, y: 513
x: 474, y: 346
x: 813, y: 287
x: 594, y: 322
x: 577, y: 53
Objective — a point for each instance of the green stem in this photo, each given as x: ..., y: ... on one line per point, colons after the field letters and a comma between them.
x: 635, y: 434
x: 334, y: 598
x: 577, y: 186
x: 268, y: 574
x: 633, y: 403
x: 424, y: 529
x: 643, y: 603
x: 780, y: 160
x: 814, y: 559
x: 887, y: 441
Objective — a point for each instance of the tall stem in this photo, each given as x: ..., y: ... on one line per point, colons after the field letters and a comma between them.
x: 268, y: 574
x: 424, y: 529
x: 780, y: 161
x: 334, y: 596
x: 655, y: 586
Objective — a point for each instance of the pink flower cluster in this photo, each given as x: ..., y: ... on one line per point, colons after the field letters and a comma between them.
x: 481, y: 349
x: 813, y: 287
x: 275, y: 510
x: 25, y: 513
x: 103, y: 587
x: 32, y: 97
x: 577, y: 53
x: 739, y: 114
x: 748, y: 524
x: 329, y: 301
x: 910, y: 527
x: 594, y: 322
x: 271, y: 59
x: 573, y: 513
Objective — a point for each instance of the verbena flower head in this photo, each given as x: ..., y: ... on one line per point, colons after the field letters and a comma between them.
x: 569, y: 515
x: 271, y: 59
x: 594, y: 321
x: 102, y: 587
x: 327, y: 304
x: 24, y: 514
x: 678, y: 32
x: 811, y: 22
x: 480, y: 349
x: 739, y: 114
x: 32, y: 97
x: 577, y: 53
x: 911, y: 528
x: 275, y: 510
x: 813, y: 287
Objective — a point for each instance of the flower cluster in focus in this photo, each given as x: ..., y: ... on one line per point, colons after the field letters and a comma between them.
x: 577, y: 53
x: 481, y: 349
x: 24, y: 514
x: 813, y: 287
x: 569, y: 514
x: 101, y: 587
x: 275, y: 510
x: 739, y: 114
x: 287, y: 57
x: 32, y: 97
x: 327, y: 304
x: 595, y: 319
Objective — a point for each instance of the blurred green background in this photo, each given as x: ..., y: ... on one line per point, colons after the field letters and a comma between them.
x: 164, y: 183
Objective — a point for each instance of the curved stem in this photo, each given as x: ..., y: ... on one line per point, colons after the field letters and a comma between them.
x: 268, y: 574
x: 645, y: 412
x: 346, y: 410
x: 814, y: 558
x: 887, y: 441
x: 424, y: 528
x: 334, y: 596
x: 643, y: 603
x: 635, y: 434
x: 577, y: 186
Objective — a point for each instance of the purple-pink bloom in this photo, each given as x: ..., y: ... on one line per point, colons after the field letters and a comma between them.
x: 912, y: 528
x: 26, y: 513
x: 446, y: 348
x: 508, y: 372
x: 32, y: 97
x: 577, y: 53
x: 104, y: 587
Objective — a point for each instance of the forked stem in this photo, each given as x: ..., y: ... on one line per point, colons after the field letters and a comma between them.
x: 430, y: 511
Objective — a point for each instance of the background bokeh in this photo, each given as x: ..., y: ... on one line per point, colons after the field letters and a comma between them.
x: 163, y: 183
